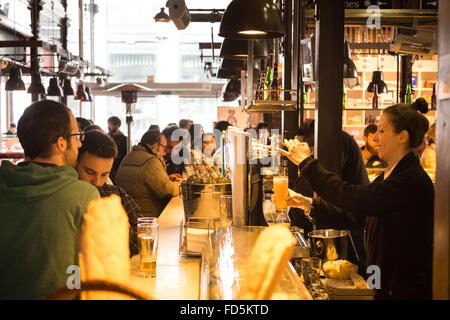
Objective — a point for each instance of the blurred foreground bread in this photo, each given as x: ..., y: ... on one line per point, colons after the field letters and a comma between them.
x: 267, y: 262
x: 339, y: 269
x: 104, y: 251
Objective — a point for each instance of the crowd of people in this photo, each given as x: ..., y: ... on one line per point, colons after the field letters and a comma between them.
x: 70, y: 161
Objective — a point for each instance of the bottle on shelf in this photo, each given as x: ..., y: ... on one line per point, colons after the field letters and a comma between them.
x: 275, y: 95
x: 268, y: 83
x: 375, y: 98
x: 343, y: 98
x: 304, y: 97
x: 261, y: 87
x: 408, y: 96
x: 433, y: 98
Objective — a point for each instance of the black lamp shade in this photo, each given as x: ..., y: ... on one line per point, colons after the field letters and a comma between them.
x: 88, y: 94
x: 377, y: 81
x: 238, y: 49
x: 81, y: 94
x: 15, y: 81
x: 233, y: 64
x: 67, y: 88
x: 36, y: 85
x: 232, y: 90
x: 251, y: 19
x: 228, y: 73
x: 349, y: 66
x: 162, y: 16
x: 54, y: 89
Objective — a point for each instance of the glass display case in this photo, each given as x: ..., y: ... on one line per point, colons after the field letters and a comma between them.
x: 224, y: 259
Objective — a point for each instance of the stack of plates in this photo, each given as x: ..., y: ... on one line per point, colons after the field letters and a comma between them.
x: 353, y: 289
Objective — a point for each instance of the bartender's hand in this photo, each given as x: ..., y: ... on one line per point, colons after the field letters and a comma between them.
x: 175, y: 177
x: 297, y: 151
x: 298, y: 200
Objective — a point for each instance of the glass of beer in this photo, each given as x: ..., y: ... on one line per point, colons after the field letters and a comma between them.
x: 280, y: 188
x: 148, y: 248
x: 226, y: 210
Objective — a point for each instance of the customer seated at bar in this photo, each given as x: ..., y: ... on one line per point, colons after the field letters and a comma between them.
x: 370, y: 150
x: 398, y: 205
x: 352, y: 171
x: 95, y: 160
x: 143, y: 175
x: 174, y: 170
x: 42, y: 203
x: 428, y: 157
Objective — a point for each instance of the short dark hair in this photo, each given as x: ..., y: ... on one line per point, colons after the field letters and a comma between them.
x: 92, y: 127
x: 154, y: 127
x: 405, y: 116
x: 41, y: 123
x: 262, y: 125
x: 167, y: 132
x: 98, y: 144
x: 151, y: 137
x: 370, y: 129
x: 12, y: 125
x: 307, y: 134
x: 82, y: 123
x: 115, y: 121
x: 184, y: 124
x: 222, y: 125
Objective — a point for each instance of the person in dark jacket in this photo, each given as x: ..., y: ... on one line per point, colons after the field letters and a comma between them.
x: 352, y: 171
x: 121, y: 142
x: 398, y: 205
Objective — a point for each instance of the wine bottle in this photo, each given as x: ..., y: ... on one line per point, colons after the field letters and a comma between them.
x: 261, y: 86
x: 408, y: 96
x: 268, y: 83
x: 343, y: 98
x: 275, y: 95
x: 433, y: 98
x: 375, y: 99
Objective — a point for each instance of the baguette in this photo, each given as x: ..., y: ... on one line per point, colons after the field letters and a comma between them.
x: 104, y: 251
x: 339, y: 269
x: 267, y: 262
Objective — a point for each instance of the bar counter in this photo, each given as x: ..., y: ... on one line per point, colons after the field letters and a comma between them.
x: 177, y: 277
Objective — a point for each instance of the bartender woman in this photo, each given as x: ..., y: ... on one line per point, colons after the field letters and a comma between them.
x: 398, y: 205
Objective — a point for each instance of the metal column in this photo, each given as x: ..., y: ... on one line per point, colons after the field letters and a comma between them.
x: 329, y: 82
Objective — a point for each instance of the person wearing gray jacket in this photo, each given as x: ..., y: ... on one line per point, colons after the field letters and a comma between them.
x: 142, y: 174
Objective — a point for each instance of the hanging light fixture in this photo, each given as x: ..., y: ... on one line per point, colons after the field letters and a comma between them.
x: 15, y: 81
x: 232, y: 90
x: 54, y: 89
x: 377, y: 82
x: 36, y: 85
x: 88, y: 94
x: 237, y: 49
x: 81, y: 94
x: 255, y: 19
x: 350, y: 72
x: 67, y: 88
x: 162, y: 24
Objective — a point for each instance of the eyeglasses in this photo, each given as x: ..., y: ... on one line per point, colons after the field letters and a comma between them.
x: 79, y: 136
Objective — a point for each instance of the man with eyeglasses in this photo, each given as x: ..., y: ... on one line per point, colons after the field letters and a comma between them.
x: 143, y: 176
x: 42, y: 203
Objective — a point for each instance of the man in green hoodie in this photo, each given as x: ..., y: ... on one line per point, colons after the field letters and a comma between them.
x: 42, y: 203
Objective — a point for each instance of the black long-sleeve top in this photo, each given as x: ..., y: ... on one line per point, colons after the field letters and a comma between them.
x: 399, y: 222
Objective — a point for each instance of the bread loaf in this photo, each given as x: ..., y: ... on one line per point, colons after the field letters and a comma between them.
x: 267, y: 262
x: 339, y: 269
x: 104, y: 250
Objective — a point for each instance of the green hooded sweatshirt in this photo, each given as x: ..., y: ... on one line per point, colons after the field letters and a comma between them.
x: 41, y: 209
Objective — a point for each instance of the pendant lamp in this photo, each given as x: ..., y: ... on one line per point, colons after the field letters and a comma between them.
x: 232, y: 90
x: 36, y: 85
x: 237, y: 49
x: 251, y: 19
x: 54, y: 89
x: 377, y: 82
x: 88, y: 94
x: 350, y: 72
x: 15, y: 81
x: 67, y: 88
x: 81, y: 94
